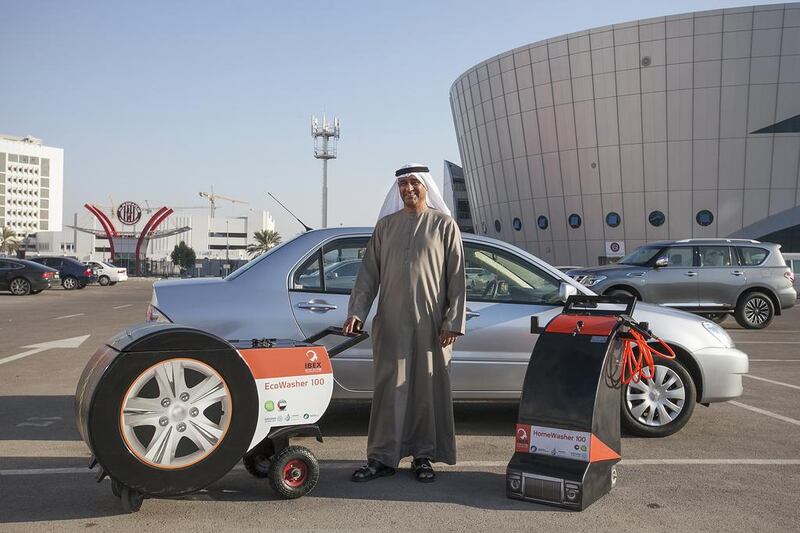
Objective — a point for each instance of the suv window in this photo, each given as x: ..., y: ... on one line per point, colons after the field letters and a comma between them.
x: 752, y: 256
x: 497, y: 276
x: 680, y: 256
x: 714, y: 256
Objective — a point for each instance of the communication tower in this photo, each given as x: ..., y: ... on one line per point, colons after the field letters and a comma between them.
x: 325, y: 139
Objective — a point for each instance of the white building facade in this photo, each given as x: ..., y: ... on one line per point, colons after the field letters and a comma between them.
x: 31, y: 185
x: 666, y: 128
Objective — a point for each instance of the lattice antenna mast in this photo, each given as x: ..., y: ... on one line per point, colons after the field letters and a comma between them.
x: 325, y: 140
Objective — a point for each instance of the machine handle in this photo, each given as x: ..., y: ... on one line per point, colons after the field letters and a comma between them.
x: 583, y: 304
x: 352, y: 339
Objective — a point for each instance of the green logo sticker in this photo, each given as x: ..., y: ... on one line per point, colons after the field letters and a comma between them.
x: 269, y: 405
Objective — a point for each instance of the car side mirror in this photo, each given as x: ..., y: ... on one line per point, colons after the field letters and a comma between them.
x: 662, y: 262
x: 565, y: 290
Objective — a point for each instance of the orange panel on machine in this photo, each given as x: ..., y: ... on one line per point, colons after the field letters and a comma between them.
x: 599, y: 451
x: 285, y: 362
x: 592, y: 325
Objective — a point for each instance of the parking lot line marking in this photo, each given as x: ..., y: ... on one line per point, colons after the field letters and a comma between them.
x: 123, y: 306
x: 68, y: 316
x: 772, y: 381
x: 767, y: 342
x: 775, y: 360
x: 346, y: 465
x: 765, y: 413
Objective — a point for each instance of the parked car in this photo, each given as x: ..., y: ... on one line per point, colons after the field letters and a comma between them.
x: 712, y: 277
x: 73, y: 273
x: 107, y: 274
x: 264, y: 298
x: 21, y: 277
x: 341, y: 274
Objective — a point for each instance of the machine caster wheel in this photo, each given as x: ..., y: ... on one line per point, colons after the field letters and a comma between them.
x: 613, y: 476
x: 131, y: 499
x: 294, y: 472
x: 116, y: 488
x: 257, y: 464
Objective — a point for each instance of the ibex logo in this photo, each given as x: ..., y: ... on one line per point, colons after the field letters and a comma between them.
x: 313, y: 365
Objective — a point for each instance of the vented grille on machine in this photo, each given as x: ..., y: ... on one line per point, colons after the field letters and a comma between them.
x: 543, y: 489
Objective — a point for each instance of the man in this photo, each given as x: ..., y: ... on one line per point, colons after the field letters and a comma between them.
x: 416, y: 258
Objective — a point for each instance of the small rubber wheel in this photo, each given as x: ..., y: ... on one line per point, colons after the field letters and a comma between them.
x: 294, y: 472
x: 131, y: 499
x: 257, y: 464
x: 613, y: 476
x: 116, y: 488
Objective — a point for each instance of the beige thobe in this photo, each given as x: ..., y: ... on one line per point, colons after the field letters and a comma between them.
x: 417, y: 262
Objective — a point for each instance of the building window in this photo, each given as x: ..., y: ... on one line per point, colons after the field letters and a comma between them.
x: 517, y: 223
x: 497, y: 226
x: 574, y: 221
x: 463, y: 210
x: 656, y: 218
x: 704, y: 217
x: 542, y: 222
x: 613, y: 219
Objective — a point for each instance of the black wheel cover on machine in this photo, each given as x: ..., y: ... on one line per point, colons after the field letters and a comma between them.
x: 102, y: 421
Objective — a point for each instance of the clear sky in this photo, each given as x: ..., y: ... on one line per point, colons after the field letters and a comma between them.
x: 158, y: 100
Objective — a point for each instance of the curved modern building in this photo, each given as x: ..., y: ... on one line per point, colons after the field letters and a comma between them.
x: 584, y: 145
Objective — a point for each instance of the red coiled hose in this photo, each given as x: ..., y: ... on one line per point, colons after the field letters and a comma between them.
x: 633, y: 364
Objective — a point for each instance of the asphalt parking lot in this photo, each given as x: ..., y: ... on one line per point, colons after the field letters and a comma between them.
x: 734, y: 467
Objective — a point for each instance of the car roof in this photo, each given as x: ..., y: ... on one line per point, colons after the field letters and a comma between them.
x: 707, y: 241
x: 25, y: 262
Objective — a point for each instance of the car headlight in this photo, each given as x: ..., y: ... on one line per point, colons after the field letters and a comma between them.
x: 590, y: 280
x: 719, y: 333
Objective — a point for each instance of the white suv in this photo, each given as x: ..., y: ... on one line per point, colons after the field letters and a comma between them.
x: 107, y: 274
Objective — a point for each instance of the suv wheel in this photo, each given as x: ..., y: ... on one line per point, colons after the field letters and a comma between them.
x: 755, y: 311
x: 621, y: 292
x: 660, y: 406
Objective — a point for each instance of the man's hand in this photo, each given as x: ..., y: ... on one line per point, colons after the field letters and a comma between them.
x: 351, y: 324
x: 446, y: 338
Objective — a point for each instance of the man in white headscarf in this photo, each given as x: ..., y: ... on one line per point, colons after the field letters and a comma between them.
x: 416, y: 258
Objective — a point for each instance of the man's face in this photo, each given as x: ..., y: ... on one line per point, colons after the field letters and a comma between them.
x: 412, y: 191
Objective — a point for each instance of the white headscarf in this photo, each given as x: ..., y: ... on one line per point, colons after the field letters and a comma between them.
x: 394, y: 202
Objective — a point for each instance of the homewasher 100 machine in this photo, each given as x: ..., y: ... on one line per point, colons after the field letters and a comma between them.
x: 166, y: 410
x: 568, y: 428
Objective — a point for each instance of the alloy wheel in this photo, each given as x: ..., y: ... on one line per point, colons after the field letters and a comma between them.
x: 756, y: 311
x: 19, y: 287
x: 70, y: 283
x: 175, y: 413
x: 656, y: 401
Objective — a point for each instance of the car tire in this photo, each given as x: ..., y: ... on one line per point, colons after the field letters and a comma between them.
x: 644, y: 413
x: 755, y: 311
x: 103, y: 280
x: 125, y: 445
x: 717, y: 318
x: 19, y: 287
x: 70, y: 283
x: 621, y: 292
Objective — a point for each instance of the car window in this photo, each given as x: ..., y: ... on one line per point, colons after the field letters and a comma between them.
x: 341, y: 260
x: 308, y: 276
x: 714, y: 256
x: 640, y: 256
x: 680, y: 256
x: 6, y: 265
x: 752, y: 256
x: 796, y: 266
x: 498, y: 276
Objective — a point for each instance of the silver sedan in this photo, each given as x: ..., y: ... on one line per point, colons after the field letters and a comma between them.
x: 289, y: 292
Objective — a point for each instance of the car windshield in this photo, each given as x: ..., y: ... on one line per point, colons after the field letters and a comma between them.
x: 250, y: 264
x: 641, y: 256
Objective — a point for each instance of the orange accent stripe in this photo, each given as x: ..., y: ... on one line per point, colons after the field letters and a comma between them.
x: 285, y: 362
x: 592, y: 325
x: 599, y: 451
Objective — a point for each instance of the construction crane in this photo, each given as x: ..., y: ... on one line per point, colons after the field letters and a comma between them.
x: 212, y: 198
